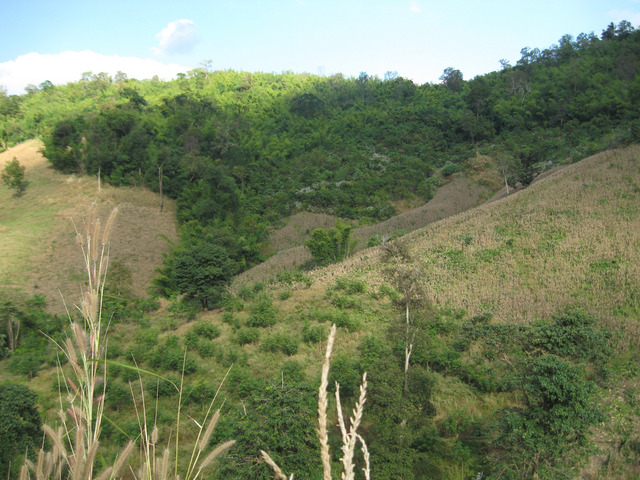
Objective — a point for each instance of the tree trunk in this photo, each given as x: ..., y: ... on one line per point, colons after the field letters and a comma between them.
x: 408, y: 348
x: 160, y: 186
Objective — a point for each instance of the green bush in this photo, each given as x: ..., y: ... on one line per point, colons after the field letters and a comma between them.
x: 207, y: 330
x: 332, y: 245
x: 27, y: 363
x: 170, y: 358
x: 281, y: 342
x: 450, y: 169
x: 205, y: 349
x: 19, y: 425
x: 342, y: 319
x: 262, y: 313
x: 344, y: 302
x: 313, y: 333
x: 350, y: 285
x: 285, y: 294
x: 117, y: 395
x: 245, y: 336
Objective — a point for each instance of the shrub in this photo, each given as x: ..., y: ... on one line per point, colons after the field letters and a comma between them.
x: 205, y: 349
x: 262, y: 313
x: 313, y: 333
x: 20, y: 426
x: 343, y: 319
x: 281, y: 342
x: 13, y: 176
x: 351, y: 285
x: 333, y: 245
x: 450, y: 169
x: 173, y: 359
x: 285, y: 294
x: 184, y: 309
x: 117, y: 395
x: 207, y: 330
x: 227, y: 317
x: 347, y: 302
x: 246, y: 335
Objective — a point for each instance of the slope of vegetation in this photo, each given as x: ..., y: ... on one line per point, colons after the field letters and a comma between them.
x: 39, y: 250
x: 500, y: 342
x: 241, y: 151
x: 509, y: 297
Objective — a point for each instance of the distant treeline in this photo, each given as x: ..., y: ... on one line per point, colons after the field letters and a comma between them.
x: 239, y: 151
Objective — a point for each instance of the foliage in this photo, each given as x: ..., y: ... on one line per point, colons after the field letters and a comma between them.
x: 13, y: 176
x: 20, y: 426
x: 278, y: 419
x: 263, y: 314
x: 332, y: 245
x: 559, y: 412
x: 281, y: 342
x: 202, y: 271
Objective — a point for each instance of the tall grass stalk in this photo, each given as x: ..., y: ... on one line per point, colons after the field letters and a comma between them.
x: 75, y: 444
x: 350, y: 436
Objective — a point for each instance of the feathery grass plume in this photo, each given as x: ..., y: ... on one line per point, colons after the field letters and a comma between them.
x: 349, y: 437
x: 216, y: 452
x: 274, y: 466
x: 323, y: 402
x: 204, y: 441
x: 76, y: 442
x: 367, y: 458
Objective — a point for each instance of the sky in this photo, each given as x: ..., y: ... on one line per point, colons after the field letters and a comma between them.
x: 60, y: 40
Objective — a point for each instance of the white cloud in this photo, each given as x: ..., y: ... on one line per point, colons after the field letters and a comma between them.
x: 413, y: 6
x: 35, y: 68
x: 177, y: 37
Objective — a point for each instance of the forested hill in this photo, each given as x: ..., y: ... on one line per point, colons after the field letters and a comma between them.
x: 241, y: 151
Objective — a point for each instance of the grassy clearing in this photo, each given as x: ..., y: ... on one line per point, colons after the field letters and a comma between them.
x: 38, y: 244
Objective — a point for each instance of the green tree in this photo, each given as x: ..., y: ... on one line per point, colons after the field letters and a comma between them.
x: 332, y: 245
x: 408, y: 278
x: 13, y: 176
x: 453, y: 79
x: 20, y: 425
x: 203, y: 270
x: 559, y: 412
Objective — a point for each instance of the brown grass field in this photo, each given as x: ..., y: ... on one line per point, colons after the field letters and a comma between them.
x: 570, y: 240
x: 37, y: 238
x: 458, y: 195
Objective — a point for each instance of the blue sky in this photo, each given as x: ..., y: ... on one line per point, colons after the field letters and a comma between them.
x: 59, y: 40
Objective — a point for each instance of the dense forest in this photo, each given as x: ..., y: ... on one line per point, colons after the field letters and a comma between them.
x: 240, y: 152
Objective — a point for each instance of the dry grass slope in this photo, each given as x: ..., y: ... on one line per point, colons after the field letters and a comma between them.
x: 38, y: 245
x: 571, y: 239
x: 458, y: 195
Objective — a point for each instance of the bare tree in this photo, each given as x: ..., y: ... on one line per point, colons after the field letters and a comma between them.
x: 408, y: 278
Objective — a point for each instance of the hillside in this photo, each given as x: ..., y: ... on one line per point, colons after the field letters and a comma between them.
x: 569, y: 240
x: 38, y: 247
x: 567, y: 243
x: 458, y: 195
